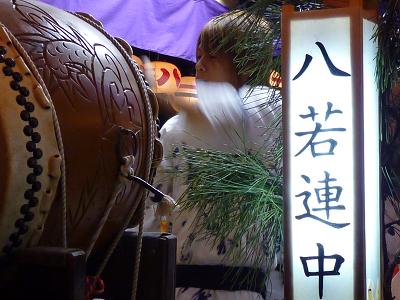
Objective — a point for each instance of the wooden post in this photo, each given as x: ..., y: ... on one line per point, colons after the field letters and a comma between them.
x: 49, y: 273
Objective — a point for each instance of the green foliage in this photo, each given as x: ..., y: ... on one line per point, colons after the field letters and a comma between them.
x: 254, y: 48
x: 258, y: 49
x: 388, y: 36
x: 236, y: 196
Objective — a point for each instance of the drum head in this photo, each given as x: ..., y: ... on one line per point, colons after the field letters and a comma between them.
x: 29, y: 152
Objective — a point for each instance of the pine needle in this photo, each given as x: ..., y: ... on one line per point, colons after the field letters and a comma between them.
x: 236, y: 197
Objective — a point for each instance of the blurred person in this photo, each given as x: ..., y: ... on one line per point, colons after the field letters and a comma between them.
x: 229, y: 116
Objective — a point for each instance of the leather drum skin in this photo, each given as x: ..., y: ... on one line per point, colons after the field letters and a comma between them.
x: 105, y: 113
x: 30, y: 159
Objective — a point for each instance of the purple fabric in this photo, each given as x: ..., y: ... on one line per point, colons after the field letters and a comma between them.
x: 168, y: 27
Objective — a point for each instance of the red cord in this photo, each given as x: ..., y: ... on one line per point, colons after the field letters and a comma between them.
x: 94, y: 287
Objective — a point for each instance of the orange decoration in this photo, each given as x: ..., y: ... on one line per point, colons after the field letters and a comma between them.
x: 186, y: 95
x: 275, y: 80
x: 163, y: 77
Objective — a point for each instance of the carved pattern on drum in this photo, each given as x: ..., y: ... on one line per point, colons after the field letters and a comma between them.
x: 76, y: 61
x: 85, y: 72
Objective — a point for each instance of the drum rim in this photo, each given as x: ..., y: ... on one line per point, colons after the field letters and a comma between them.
x: 15, y: 44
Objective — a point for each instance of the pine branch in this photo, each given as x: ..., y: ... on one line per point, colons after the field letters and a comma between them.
x: 236, y: 197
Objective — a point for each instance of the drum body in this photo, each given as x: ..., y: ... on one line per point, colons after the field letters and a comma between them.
x: 97, y: 91
x: 29, y: 152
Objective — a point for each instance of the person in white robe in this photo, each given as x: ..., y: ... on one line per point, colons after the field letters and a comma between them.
x: 229, y: 116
